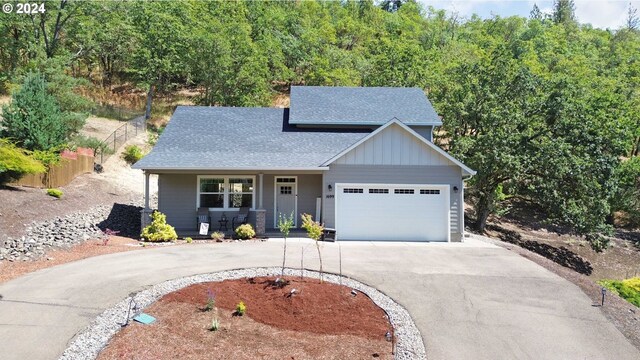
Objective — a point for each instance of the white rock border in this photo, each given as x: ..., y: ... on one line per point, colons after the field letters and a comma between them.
x: 88, y: 343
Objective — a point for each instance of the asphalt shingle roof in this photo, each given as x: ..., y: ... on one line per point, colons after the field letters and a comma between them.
x: 199, y: 137
x: 317, y: 105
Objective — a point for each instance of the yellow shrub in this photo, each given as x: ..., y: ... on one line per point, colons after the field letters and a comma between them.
x: 159, y: 230
x: 633, y: 283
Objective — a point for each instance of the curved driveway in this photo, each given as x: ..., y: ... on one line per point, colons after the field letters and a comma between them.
x: 470, y: 301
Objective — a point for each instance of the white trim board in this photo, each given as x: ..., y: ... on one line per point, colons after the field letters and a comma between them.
x: 412, y: 132
x: 275, y: 199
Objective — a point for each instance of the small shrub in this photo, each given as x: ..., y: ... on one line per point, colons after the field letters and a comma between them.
x: 98, y: 146
x: 211, y: 301
x: 188, y: 240
x: 314, y: 230
x: 628, y: 289
x: 245, y: 232
x: 217, y: 236
x: 132, y: 154
x: 16, y: 162
x: 241, y: 308
x: 159, y: 230
x: 215, y: 324
x: 56, y: 193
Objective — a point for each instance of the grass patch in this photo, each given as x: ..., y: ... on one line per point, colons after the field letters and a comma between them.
x: 55, y: 193
x: 628, y: 289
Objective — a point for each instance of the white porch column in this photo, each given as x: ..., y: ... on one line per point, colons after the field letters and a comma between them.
x: 261, y: 180
x: 146, y: 190
x: 145, y: 214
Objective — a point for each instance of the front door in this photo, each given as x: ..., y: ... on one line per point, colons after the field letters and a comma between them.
x: 285, y: 199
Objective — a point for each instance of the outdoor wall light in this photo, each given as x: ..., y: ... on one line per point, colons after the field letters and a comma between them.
x: 455, y: 189
x: 330, y: 187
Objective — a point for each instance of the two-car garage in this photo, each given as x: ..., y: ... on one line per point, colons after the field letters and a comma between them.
x: 393, y: 212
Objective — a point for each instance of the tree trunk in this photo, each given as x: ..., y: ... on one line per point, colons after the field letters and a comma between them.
x: 482, y: 213
x: 147, y: 113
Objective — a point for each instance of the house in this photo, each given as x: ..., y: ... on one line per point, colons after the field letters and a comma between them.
x: 360, y: 159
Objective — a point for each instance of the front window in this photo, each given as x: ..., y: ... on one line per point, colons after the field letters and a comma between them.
x: 240, y: 192
x: 225, y: 192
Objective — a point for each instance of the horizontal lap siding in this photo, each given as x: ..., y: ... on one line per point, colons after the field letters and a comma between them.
x: 177, y: 199
x: 309, y: 188
x: 395, y: 174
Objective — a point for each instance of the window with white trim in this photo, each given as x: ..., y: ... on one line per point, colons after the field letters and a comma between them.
x: 378, y: 191
x: 222, y: 192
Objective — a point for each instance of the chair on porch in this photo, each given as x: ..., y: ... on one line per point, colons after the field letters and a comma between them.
x: 241, y: 218
x: 203, y: 216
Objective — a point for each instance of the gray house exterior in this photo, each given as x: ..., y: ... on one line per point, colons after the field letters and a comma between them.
x: 362, y: 160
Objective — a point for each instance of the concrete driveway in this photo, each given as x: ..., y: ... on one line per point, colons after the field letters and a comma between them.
x: 470, y: 301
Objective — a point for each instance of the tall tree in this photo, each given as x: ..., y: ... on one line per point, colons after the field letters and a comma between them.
x: 564, y: 12
x: 535, y: 13
x: 33, y: 119
x: 633, y: 22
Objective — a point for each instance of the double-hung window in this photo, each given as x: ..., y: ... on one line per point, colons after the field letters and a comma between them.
x: 225, y: 192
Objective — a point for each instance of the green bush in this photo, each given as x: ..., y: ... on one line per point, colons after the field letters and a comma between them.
x: 33, y: 119
x: 16, y: 162
x: 245, y: 232
x: 188, y: 240
x: 241, y: 308
x: 98, y: 146
x: 159, y: 230
x: 55, y: 193
x: 217, y: 235
x: 628, y: 289
x: 132, y: 154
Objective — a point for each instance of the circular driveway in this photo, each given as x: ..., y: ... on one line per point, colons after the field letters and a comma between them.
x: 470, y: 301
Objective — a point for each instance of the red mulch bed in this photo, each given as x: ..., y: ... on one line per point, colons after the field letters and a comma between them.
x: 320, y: 321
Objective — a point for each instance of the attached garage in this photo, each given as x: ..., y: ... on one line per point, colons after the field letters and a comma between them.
x: 392, y: 212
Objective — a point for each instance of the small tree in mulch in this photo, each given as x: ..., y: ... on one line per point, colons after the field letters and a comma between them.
x: 314, y: 231
x: 285, y: 223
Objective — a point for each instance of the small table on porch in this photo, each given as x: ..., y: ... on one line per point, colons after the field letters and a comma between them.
x: 223, y: 224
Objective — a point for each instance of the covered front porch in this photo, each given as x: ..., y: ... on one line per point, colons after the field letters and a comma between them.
x: 266, y: 193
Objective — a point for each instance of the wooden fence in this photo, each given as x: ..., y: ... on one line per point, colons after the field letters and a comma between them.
x: 72, y: 164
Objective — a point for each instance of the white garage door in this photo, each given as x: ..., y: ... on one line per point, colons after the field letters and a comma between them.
x: 392, y: 212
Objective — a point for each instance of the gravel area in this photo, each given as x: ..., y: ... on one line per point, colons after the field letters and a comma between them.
x: 66, y: 231
x: 88, y: 343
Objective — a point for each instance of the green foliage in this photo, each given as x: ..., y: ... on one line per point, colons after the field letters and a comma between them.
x: 245, y: 231
x: 215, y: 324
x: 56, y: 193
x: 98, y: 146
x: 241, y: 308
x: 33, y: 119
x: 16, y: 162
x: 314, y: 231
x: 314, y: 228
x: 47, y: 157
x: 188, y: 240
x: 159, y: 230
x: 132, y: 154
x: 627, y: 195
x: 211, y: 301
x: 217, y: 236
x: 285, y: 223
x: 628, y: 289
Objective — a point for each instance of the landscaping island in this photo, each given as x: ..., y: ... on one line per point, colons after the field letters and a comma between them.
x: 290, y: 318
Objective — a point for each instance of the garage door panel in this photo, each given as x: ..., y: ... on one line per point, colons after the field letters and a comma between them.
x: 403, y: 216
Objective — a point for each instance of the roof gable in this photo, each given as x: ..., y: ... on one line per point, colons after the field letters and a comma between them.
x: 396, y: 144
x: 333, y: 105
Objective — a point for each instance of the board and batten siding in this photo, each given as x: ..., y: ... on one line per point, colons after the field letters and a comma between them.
x: 393, y: 146
x: 396, y: 174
